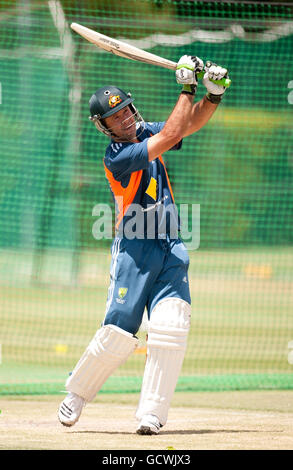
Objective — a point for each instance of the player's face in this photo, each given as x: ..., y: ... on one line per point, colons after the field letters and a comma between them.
x: 122, y: 124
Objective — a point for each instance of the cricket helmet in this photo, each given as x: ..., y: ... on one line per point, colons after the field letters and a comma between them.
x: 109, y: 100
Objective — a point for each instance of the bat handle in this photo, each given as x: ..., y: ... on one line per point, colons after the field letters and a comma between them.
x: 226, y: 82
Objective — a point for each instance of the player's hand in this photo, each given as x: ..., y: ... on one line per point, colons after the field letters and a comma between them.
x: 186, y: 72
x: 214, y: 72
x: 187, y: 68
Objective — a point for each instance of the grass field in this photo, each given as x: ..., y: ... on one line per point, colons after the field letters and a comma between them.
x: 241, y: 315
x: 241, y: 326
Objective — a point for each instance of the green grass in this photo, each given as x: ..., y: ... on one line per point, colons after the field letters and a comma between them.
x: 241, y: 320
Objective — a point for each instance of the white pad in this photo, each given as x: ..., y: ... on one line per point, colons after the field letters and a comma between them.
x: 167, y: 340
x: 109, y: 348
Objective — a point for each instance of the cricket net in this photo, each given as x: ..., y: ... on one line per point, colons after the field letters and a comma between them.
x: 54, y: 268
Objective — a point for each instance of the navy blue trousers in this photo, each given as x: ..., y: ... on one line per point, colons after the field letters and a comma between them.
x: 143, y: 272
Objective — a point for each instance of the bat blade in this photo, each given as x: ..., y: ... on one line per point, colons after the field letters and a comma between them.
x: 121, y: 48
x: 128, y: 51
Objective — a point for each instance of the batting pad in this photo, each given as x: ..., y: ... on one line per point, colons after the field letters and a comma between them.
x: 167, y: 339
x: 109, y: 348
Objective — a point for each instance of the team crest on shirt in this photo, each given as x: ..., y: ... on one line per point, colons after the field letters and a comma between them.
x: 114, y: 100
x: 122, y: 291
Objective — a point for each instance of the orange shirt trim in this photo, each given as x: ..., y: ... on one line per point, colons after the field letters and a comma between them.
x: 123, y: 196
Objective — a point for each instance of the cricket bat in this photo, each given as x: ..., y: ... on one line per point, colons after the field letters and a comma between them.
x: 127, y: 51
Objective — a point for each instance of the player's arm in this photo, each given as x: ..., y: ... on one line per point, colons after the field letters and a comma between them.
x: 201, y: 113
x: 175, y: 127
x: 203, y: 110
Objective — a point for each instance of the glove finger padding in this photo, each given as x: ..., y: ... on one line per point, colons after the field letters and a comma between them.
x: 214, y: 72
x: 187, y: 68
x: 198, y: 64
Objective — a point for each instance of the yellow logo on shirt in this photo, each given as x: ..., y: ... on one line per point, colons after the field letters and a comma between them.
x: 152, y: 189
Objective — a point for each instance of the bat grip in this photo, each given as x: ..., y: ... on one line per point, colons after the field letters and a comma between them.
x: 226, y: 82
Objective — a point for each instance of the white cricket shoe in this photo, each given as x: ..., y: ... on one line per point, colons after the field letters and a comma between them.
x: 149, y: 425
x: 70, y: 409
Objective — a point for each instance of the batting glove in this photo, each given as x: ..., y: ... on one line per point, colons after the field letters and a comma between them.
x: 186, y: 72
x: 214, y: 72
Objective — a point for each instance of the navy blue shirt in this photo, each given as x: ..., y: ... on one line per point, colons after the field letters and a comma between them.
x: 141, y: 189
